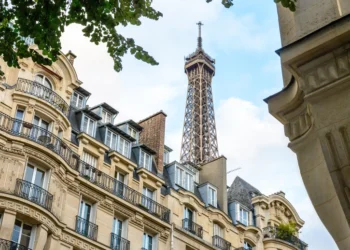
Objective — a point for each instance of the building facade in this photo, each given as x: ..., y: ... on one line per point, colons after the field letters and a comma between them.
x: 314, y: 104
x: 71, y: 178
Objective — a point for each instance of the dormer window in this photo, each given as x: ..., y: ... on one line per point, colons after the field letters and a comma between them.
x: 124, y: 147
x: 132, y: 132
x: 145, y: 160
x: 78, y: 100
x: 184, y: 178
x: 244, y: 215
x: 165, y: 157
x: 106, y: 117
x: 212, y: 199
x: 88, y: 125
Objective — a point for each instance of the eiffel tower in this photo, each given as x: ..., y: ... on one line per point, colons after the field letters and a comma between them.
x: 199, y: 140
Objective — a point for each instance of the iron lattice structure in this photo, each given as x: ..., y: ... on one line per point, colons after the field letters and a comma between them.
x: 199, y: 140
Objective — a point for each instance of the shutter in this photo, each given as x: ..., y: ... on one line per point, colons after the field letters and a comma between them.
x: 237, y: 212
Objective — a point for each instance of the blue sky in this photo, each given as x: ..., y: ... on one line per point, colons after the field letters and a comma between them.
x: 242, y: 40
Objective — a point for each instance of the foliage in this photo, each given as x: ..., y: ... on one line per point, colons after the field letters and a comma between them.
x: 290, y: 4
x: 286, y: 230
x: 45, y: 21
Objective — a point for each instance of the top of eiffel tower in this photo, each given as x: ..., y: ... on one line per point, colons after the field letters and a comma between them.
x: 199, y: 53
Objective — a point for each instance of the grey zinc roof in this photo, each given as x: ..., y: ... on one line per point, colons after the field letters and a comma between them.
x: 241, y: 191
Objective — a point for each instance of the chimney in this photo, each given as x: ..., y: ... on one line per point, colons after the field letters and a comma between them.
x: 153, y: 135
x: 71, y: 57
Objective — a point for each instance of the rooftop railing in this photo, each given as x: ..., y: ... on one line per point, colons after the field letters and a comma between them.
x: 86, y: 228
x: 119, y: 243
x: 272, y: 232
x: 221, y: 243
x: 192, y: 227
x: 38, y: 90
x: 52, y: 142
x: 10, y: 245
x: 33, y: 193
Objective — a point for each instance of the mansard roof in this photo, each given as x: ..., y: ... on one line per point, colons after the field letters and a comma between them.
x: 241, y: 191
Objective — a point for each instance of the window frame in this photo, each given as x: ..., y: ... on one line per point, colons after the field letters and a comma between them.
x: 35, y: 170
x: 143, y: 163
x: 32, y: 233
x: 186, y: 179
x: 76, y: 102
x: 242, y: 211
x: 131, y: 130
x: 44, y: 77
x: 104, y: 117
x: 210, y: 201
x: 88, y: 125
x: 126, y: 154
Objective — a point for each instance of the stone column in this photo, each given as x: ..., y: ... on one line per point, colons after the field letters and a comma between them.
x: 41, y: 237
x: 7, y: 224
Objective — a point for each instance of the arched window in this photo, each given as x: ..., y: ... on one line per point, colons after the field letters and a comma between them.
x: 43, y: 80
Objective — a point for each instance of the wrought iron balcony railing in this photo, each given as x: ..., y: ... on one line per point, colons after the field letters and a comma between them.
x: 38, y: 135
x: 119, y: 243
x: 86, y: 228
x: 38, y: 90
x: 192, y: 227
x: 272, y: 232
x: 221, y: 243
x: 47, y: 139
x: 10, y: 245
x: 33, y: 193
x: 123, y: 191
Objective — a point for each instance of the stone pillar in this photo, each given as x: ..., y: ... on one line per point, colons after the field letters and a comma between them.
x: 7, y: 224
x: 41, y: 237
x: 52, y: 242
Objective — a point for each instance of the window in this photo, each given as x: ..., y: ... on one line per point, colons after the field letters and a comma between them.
x: 88, y: 170
x: 88, y: 126
x: 119, y: 184
x: 83, y: 223
x: 218, y: 230
x: 77, y: 100
x: 111, y: 140
x: 34, y: 175
x: 188, y: 219
x: 145, y: 161
x: 147, y: 198
x: 106, y: 117
x: 165, y: 157
x: 184, y: 179
x: 212, y: 196
x: 33, y: 185
x: 147, y: 242
x: 22, y: 234
x: 243, y: 216
x: 90, y: 159
x: 17, y: 124
x: 117, y: 233
x: 132, y: 132
x: 124, y: 147
x: 43, y: 81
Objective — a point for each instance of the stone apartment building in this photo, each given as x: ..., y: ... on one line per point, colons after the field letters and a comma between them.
x: 314, y: 105
x: 71, y: 178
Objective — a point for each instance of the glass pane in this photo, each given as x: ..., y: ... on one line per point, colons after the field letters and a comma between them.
x: 39, y: 79
x: 47, y: 83
x: 80, y: 102
x: 44, y: 125
x: 91, y: 127
x: 29, y: 173
x: 19, y: 114
x: 16, y: 231
x: 87, y: 211
x: 85, y: 124
x: 114, y: 142
x: 39, y: 178
x: 36, y: 120
x: 108, y: 139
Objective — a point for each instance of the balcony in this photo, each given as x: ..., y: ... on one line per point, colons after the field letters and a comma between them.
x: 33, y: 193
x: 38, y: 135
x: 93, y: 175
x: 221, y: 243
x: 272, y: 232
x: 192, y: 227
x: 44, y: 93
x: 122, y: 191
x: 119, y: 243
x: 86, y: 228
x: 10, y: 245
